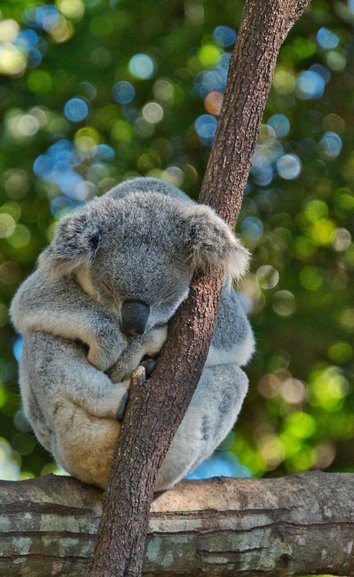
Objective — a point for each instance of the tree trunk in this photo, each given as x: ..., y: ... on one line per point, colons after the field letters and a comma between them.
x: 156, y: 408
x: 220, y: 527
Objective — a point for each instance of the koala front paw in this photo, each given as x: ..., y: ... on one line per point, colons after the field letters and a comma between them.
x: 103, y: 358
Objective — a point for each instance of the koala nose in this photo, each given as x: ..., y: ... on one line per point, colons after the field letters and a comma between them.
x: 134, y: 317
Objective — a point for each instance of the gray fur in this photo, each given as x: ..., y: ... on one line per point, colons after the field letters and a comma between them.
x: 142, y: 241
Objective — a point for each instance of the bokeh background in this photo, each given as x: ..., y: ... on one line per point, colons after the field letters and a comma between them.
x: 93, y: 92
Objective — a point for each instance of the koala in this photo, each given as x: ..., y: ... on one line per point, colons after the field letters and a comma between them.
x: 99, y: 303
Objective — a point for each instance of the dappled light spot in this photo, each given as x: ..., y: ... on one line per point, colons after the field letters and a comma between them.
x: 284, y: 303
x: 336, y: 60
x: 10, y: 462
x: 205, y: 127
x: 224, y: 36
x: 9, y: 30
x: 311, y: 278
x: 342, y: 239
x: 221, y: 464
x: 327, y: 39
x: 213, y: 103
x: 20, y: 237
x: 284, y: 80
x: 340, y: 352
x: 141, y: 66
x: 271, y: 450
x: 252, y: 228
x: 280, y: 124
x: 322, y: 71
x: 309, y: 85
x: 17, y: 348
x: 123, y: 92
x: 39, y: 82
x: 45, y: 16
x: 76, y: 110
x: 73, y: 9
x: 7, y: 225
x: 152, y: 112
x: 268, y: 276
x: 213, y: 80
x: 12, y: 60
x: 163, y: 90
x: 209, y: 55
x: 330, y: 145
x: 289, y: 166
x: 329, y: 387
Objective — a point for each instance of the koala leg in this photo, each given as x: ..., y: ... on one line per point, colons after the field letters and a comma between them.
x: 71, y: 405
x: 211, y: 415
x: 84, y: 444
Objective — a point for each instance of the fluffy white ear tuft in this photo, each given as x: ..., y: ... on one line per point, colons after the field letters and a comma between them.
x: 212, y: 242
x: 75, y: 242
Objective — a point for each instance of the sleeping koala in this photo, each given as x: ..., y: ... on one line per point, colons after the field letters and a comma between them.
x: 99, y: 303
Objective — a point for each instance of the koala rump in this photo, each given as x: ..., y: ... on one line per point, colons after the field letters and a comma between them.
x: 100, y: 301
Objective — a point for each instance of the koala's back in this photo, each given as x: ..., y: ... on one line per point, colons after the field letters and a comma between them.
x: 147, y: 185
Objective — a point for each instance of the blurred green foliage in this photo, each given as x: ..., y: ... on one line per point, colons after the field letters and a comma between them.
x: 92, y: 92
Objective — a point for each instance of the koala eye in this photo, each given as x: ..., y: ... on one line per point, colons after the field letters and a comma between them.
x: 107, y: 287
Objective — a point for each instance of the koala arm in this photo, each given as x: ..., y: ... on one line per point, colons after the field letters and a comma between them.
x: 55, y: 371
x: 63, y: 309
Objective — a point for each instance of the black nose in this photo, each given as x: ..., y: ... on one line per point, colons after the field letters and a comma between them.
x: 134, y: 317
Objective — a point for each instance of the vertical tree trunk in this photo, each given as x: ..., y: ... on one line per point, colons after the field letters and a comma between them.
x: 157, y: 407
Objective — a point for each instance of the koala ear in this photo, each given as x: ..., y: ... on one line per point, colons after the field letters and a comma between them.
x: 212, y: 242
x: 75, y: 242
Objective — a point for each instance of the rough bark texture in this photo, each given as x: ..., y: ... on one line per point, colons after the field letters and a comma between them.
x: 220, y: 527
x: 156, y: 408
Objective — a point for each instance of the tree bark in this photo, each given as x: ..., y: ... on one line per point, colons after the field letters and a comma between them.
x: 156, y: 408
x: 219, y: 527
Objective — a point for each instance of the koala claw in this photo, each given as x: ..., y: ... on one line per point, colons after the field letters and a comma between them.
x: 149, y: 364
x: 122, y: 407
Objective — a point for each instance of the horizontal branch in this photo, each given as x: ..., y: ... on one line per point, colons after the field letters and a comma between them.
x: 270, y: 527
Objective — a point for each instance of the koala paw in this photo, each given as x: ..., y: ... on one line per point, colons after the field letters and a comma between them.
x: 149, y: 364
x: 102, y: 358
x: 122, y: 407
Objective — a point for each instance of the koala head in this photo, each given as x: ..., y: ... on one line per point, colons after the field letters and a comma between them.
x: 136, y: 254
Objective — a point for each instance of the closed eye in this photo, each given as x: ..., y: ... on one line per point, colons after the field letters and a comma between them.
x: 169, y: 295
x: 108, y: 287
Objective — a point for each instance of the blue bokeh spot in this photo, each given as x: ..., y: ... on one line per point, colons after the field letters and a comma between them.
x: 17, y: 348
x: 76, y: 110
x: 221, y: 464
x: 141, y: 66
x: 205, y: 126
x: 224, y: 36
x: 280, y: 124
x: 123, y: 92
x: 309, y: 85
x: 330, y: 145
x: 104, y: 152
x: 289, y: 166
x: 327, y: 39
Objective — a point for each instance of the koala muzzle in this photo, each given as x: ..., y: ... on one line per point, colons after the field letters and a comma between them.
x: 134, y: 317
